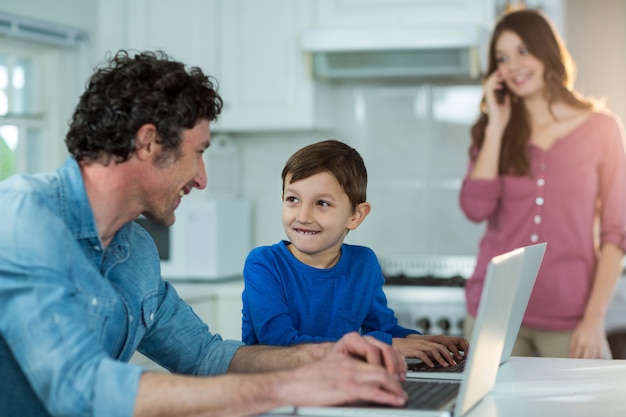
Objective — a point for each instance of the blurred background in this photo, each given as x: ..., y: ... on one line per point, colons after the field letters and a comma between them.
x: 400, y: 80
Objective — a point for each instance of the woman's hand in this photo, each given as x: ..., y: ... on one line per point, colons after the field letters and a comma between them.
x: 499, y: 112
x: 589, y: 340
x: 442, y: 349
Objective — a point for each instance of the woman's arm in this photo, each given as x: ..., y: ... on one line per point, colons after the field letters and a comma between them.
x: 589, y: 337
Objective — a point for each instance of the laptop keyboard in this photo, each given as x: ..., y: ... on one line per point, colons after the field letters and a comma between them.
x: 423, y: 367
x: 430, y: 395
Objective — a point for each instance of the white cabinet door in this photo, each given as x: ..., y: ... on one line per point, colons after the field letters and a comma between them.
x: 187, y: 30
x: 265, y: 81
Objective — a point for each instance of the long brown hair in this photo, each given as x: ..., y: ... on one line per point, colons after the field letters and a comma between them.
x: 544, y: 42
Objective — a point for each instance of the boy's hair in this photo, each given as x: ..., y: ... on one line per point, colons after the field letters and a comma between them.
x: 335, y: 157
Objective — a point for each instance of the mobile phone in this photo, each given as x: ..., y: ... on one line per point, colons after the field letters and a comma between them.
x: 501, y: 93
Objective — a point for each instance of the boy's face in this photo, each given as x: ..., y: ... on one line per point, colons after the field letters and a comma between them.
x: 317, y: 214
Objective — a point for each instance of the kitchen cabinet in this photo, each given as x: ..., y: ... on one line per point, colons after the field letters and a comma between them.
x: 341, y: 13
x: 266, y: 82
x: 217, y: 303
x: 251, y: 47
x: 188, y: 30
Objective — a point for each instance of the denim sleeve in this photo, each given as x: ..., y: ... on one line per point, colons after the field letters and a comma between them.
x: 181, y: 342
x: 48, y: 331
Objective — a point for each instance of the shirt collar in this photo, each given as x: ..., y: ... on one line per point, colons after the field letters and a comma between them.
x: 76, y: 209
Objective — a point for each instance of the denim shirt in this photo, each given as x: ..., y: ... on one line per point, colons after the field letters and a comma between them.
x: 73, y: 314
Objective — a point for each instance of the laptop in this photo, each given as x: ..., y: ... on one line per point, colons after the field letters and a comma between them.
x: 524, y: 281
x: 481, y: 365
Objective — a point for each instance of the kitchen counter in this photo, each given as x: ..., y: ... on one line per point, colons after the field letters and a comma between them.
x: 541, y: 387
x: 549, y: 387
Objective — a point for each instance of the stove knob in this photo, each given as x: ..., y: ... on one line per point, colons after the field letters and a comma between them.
x: 444, y: 324
x: 461, y: 324
x: 423, y: 324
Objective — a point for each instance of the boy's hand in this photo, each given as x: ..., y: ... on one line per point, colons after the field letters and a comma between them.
x: 442, y: 349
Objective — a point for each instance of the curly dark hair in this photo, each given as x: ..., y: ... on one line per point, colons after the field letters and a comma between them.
x: 131, y: 91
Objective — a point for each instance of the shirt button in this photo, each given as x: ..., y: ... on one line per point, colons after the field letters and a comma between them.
x: 151, y: 316
x: 130, y: 318
x: 94, y: 301
x: 541, y: 182
x: 539, y: 201
x: 537, y: 219
x: 96, y: 248
x: 534, y: 238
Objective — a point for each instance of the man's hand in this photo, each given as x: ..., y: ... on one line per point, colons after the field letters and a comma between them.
x: 442, y: 349
x: 351, y: 371
x: 371, y: 351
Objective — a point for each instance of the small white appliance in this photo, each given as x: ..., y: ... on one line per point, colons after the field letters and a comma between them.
x: 209, y: 240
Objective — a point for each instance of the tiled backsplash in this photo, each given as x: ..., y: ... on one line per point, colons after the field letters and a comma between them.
x: 414, y: 141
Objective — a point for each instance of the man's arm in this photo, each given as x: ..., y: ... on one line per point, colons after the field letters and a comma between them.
x: 347, y: 371
x: 259, y: 358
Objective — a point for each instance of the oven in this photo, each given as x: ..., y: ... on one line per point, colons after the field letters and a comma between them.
x: 427, y: 294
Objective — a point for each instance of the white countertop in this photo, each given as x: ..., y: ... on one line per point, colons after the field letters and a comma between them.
x: 548, y: 387
x: 541, y: 387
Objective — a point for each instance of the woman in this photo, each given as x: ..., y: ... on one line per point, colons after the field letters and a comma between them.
x: 547, y: 165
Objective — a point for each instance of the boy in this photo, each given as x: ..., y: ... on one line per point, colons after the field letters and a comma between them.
x: 314, y: 287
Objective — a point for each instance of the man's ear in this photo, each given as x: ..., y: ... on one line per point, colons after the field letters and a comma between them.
x: 360, y: 213
x: 146, y: 145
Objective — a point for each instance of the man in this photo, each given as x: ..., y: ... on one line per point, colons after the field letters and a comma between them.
x: 80, y: 287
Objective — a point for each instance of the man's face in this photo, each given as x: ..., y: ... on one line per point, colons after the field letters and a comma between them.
x: 169, y: 182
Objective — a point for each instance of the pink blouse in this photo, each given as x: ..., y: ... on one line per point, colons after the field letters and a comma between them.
x: 556, y: 204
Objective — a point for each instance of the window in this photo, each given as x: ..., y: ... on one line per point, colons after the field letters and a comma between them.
x: 21, y: 121
x: 36, y: 104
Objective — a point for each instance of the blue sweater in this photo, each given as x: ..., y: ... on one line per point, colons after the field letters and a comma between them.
x: 286, y: 302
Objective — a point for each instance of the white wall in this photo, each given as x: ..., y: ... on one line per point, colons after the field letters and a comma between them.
x: 596, y: 37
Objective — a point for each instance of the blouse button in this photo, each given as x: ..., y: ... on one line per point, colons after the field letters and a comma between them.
x: 534, y: 238
x: 539, y: 201
x: 537, y: 219
x: 541, y: 182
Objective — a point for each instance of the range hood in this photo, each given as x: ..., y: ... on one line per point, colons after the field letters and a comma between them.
x: 434, y: 50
